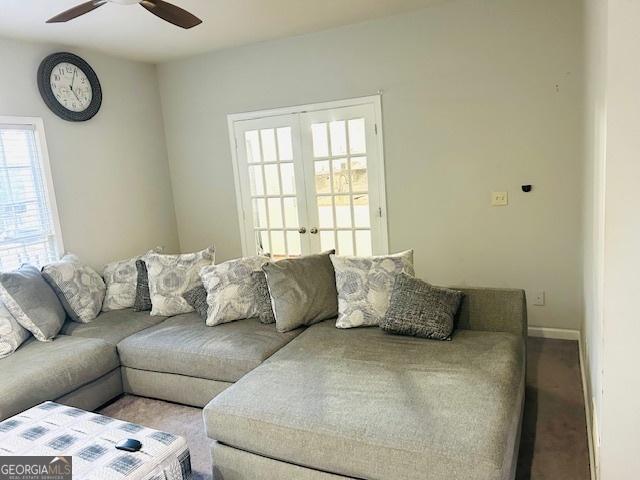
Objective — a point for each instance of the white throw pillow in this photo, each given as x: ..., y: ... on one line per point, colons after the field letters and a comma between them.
x: 172, y: 275
x: 120, y: 278
x: 12, y: 334
x: 364, y: 286
x: 78, y: 286
x: 231, y: 289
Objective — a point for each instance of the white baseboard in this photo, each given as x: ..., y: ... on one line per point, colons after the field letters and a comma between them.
x: 557, y: 333
x: 567, y: 334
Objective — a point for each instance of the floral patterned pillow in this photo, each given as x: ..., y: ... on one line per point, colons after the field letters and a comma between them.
x: 79, y: 287
x: 170, y: 276
x: 120, y: 278
x: 364, y: 286
x: 12, y: 334
x: 232, y: 293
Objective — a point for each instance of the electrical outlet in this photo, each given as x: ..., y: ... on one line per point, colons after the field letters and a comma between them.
x: 499, y: 199
x: 538, y: 299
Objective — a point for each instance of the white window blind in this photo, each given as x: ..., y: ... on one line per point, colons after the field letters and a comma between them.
x: 27, y: 228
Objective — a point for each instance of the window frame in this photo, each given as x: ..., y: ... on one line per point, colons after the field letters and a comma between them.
x: 374, y: 100
x: 37, y: 124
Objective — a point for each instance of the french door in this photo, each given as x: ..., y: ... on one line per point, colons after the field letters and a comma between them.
x: 311, y: 180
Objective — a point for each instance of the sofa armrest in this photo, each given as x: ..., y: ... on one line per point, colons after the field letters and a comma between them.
x: 493, y: 309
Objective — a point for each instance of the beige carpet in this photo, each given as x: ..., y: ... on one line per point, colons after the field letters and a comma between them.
x: 554, y: 436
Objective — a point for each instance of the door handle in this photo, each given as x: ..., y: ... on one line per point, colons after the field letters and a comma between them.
x: 302, y: 230
x: 314, y: 230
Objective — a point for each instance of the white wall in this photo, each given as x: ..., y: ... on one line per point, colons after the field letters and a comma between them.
x: 620, y: 418
x: 111, y: 175
x: 595, y: 46
x: 478, y: 96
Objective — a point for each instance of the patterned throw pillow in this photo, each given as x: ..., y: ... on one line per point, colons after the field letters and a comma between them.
x: 263, y: 299
x: 231, y: 291
x: 197, y: 298
x: 420, y: 309
x: 120, y: 278
x: 364, y: 286
x: 172, y: 275
x: 12, y: 334
x: 32, y: 302
x: 79, y: 287
x: 142, y: 302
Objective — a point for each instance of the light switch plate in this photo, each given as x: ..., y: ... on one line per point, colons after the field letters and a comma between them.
x: 499, y: 199
x: 539, y: 298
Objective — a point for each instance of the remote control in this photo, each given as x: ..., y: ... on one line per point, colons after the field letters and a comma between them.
x: 129, y: 445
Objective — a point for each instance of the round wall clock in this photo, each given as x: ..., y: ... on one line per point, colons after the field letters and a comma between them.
x: 69, y: 87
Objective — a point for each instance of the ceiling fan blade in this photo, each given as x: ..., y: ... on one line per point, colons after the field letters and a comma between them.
x: 171, y: 13
x: 76, y: 11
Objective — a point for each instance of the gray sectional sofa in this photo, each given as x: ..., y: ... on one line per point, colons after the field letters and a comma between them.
x: 314, y: 403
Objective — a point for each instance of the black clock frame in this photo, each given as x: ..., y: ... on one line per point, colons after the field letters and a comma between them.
x: 44, y: 85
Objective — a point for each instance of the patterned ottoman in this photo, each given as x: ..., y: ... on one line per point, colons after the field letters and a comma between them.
x: 58, y: 430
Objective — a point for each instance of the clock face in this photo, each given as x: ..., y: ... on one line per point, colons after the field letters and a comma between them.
x: 71, y: 87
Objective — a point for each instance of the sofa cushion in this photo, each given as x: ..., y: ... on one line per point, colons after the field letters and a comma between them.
x: 185, y: 345
x: 366, y: 404
x: 112, y: 326
x: 40, y: 371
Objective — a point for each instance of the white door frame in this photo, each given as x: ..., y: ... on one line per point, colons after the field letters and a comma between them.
x: 375, y: 100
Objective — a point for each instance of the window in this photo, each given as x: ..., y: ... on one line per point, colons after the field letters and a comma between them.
x: 29, y: 226
x: 310, y: 179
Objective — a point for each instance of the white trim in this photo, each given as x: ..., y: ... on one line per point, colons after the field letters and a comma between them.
x: 41, y: 143
x: 374, y: 100
x: 557, y: 333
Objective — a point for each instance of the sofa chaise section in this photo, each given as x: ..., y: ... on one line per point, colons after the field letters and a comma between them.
x: 81, y: 372
x: 361, y: 403
x: 183, y: 360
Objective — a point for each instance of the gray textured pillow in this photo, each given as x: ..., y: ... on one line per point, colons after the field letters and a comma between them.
x: 197, y: 298
x: 12, y: 334
x: 231, y: 294
x: 78, y: 286
x: 263, y: 300
x: 421, y: 310
x: 142, y: 302
x: 303, y: 290
x: 364, y: 286
x: 120, y: 278
x: 32, y: 302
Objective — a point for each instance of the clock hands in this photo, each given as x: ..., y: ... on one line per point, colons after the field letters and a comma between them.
x: 73, y: 79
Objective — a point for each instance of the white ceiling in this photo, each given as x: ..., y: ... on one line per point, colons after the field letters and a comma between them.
x: 132, y: 32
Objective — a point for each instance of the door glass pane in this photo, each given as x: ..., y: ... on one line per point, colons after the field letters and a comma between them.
x: 343, y: 211
x: 341, y: 176
x: 278, y: 247
x: 327, y: 240
x: 272, y: 179
x: 338, y: 138
x: 275, y: 213
x: 363, y: 243
x: 285, y: 147
x: 268, y: 138
x: 345, y: 242
x: 253, y: 146
x: 361, y: 211
x: 323, y: 177
x: 288, y: 179
x: 255, y: 180
x: 320, y: 140
x: 325, y: 212
x: 259, y: 213
x: 357, y: 138
x: 263, y: 242
x: 359, y: 176
x: 290, y: 212
x: 293, y: 243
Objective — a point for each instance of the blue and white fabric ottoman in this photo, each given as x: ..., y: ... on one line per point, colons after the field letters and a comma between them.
x: 51, y: 429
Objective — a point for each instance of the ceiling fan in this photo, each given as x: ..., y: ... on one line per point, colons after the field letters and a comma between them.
x: 166, y: 11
